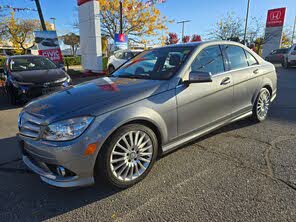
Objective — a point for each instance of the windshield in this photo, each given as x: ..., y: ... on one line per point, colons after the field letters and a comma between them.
x: 157, y: 64
x: 30, y: 63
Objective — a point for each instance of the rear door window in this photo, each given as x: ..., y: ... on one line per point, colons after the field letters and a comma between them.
x: 236, y: 56
x: 252, y: 61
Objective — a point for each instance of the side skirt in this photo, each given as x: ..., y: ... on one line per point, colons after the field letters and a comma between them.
x: 197, y: 134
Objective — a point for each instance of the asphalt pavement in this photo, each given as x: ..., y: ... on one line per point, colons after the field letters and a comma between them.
x: 242, y: 172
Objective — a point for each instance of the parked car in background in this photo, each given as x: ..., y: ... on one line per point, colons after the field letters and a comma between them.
x: 28, y: 76
x: 112, y: 129
x: 277, y: 55
x: 119, y: 57
x: 290, y: 57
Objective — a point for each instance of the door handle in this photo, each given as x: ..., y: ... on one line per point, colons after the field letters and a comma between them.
x: 225, y: 81
x: 256, y: 71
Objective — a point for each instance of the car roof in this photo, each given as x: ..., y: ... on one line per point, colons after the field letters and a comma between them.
x: 129, y: 50
x: 23, y: 56
x: 210, y: 42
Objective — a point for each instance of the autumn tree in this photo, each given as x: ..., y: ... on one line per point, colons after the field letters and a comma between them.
x: 139, y: 20
x: 286, y: 41
x: 186, y: 39
x: 172, y: 39
x: 72, y: 40
x: 196, y: 38
x: 20, y: 32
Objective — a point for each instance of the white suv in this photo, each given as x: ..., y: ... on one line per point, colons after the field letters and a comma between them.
x: 120, y: 57
x: 290, y: 57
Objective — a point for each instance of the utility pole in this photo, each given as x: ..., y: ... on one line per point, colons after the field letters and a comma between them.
x: 54, y: 22
x: 120, y: 8
x: 40, y: 15
x: 293, y: 34
x: 183, y: 22
x: 246, y: 25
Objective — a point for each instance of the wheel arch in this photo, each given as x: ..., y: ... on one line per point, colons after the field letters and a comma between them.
x: 142, y: 121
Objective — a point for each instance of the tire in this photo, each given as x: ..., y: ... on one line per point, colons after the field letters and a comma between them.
x: 262, y: 105
x: 124, y: 167
x: 111, y: 69
x: 11, y: 96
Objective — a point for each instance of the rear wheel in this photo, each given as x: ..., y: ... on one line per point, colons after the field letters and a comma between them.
x: 262, y: 105
x: 128, y: 156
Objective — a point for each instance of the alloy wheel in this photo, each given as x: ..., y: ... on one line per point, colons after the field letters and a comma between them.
x: 263, y: 104
x: 131, y: 155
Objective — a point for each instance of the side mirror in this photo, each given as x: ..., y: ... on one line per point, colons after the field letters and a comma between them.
x: 198, y: 77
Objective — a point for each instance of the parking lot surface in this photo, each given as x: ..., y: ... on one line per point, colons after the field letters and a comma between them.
x: 242, y: 172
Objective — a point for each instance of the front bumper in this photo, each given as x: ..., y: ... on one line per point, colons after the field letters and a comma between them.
x: 55, y: 180
x: 43, y: 158
x: 30, y: 92
x: 44, y: 162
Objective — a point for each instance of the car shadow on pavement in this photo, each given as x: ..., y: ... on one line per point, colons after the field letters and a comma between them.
x: 23, y: 193
x: 19, y: 186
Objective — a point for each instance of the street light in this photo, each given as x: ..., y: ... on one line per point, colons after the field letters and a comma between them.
x: 246, y: 25
x: 121, y: 22
x: 183, y: 22
x: 53, y: 22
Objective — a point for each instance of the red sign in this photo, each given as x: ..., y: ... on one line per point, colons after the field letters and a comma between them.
x: 276, y: 17
x: 54, y: 55
x: 80, y: 2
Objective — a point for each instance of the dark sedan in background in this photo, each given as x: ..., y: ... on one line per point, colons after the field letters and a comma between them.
x: 277, y: 56
x: 29, y: 76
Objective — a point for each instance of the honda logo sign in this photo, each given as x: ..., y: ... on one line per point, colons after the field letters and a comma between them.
x: 276, y: 17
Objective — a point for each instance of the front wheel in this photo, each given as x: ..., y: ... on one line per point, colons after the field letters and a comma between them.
x: 128, y: 156
x: 11, y: 96
x: 262, y: 105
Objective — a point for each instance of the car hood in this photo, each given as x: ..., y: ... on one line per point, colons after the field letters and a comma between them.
x: 39, y: 76
x: 95, y: 97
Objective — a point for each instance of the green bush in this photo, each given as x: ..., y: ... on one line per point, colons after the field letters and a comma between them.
x: 72, y: 61
x: 105, y: 61
x: 2, y: 60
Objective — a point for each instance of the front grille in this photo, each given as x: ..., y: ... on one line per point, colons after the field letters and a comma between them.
x: 30, y: 125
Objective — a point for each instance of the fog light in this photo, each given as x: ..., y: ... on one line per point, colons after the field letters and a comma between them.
x: 61, y: 171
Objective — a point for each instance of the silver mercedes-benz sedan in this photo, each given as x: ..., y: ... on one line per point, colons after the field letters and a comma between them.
x: 112, y: 129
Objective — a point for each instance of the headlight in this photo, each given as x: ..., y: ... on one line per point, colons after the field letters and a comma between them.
x: 67, y: 129
x: 16, y: 84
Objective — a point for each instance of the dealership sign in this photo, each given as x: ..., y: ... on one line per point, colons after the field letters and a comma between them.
x: 120, y: 41
x: 276, y: 17
x: 274, y: 30
x: 48, y: 45
x: 90, y: 35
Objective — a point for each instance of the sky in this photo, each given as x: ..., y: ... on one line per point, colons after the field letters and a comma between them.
x: 202, y: 13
